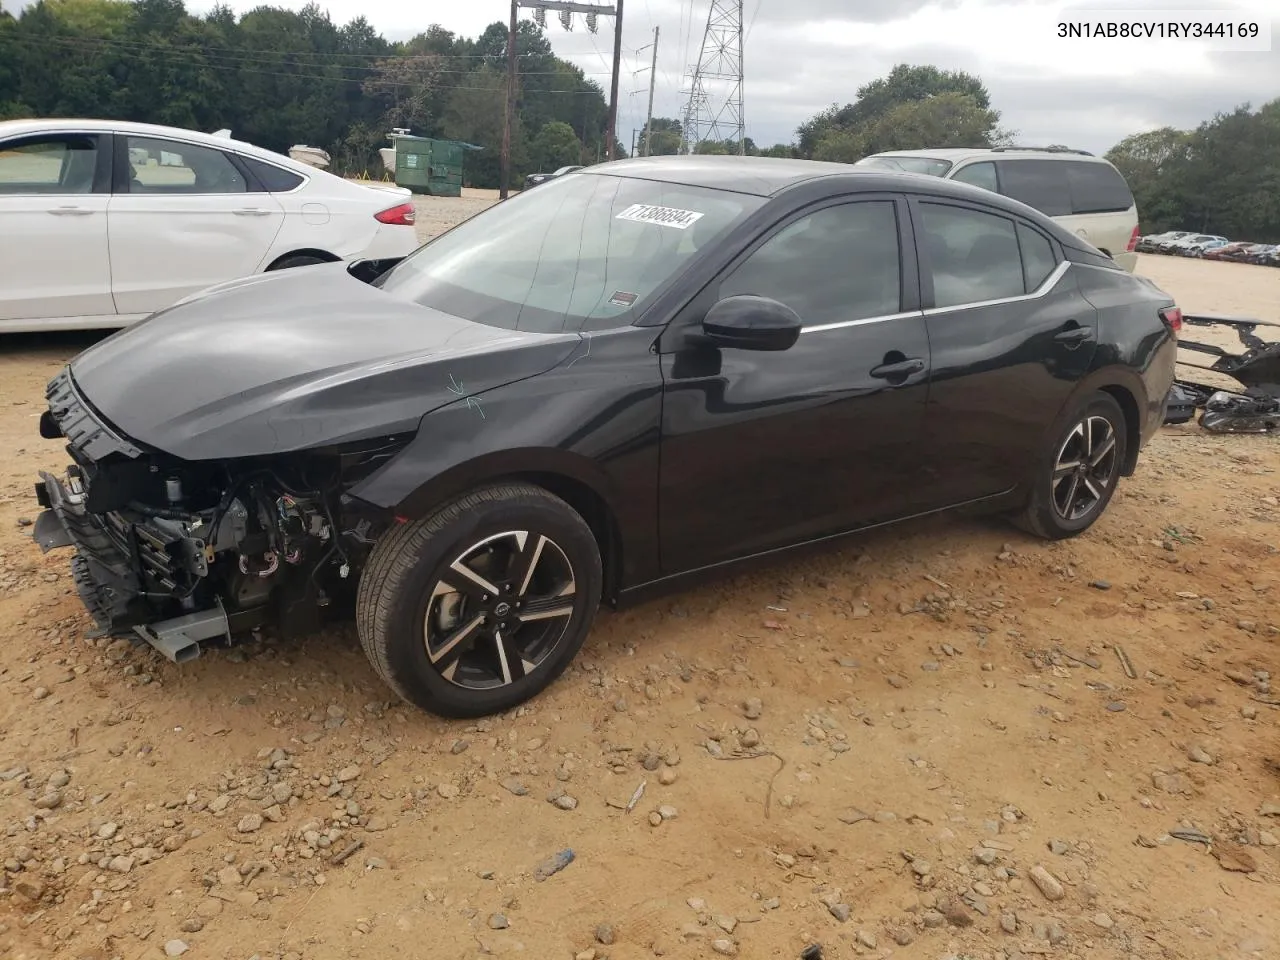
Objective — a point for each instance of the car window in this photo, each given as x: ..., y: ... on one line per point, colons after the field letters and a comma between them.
x: 584, y: 252
x: 1041, y: 184
x: 1038, y: 260
x: 1096, y: 188
x: 171, y: 167
x: 979, y: 174
x: 840, y: 263
x: 925, y: 165
x: 973, y: 255
x: 59, y: 164
x: 273, y: 179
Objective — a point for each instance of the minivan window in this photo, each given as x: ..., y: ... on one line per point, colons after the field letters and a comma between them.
x: 979, y: 174
x: 1041, y: 184
x: 1097, y: 188
x: 925, y: 165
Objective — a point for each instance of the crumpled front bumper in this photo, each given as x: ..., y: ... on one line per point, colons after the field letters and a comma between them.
x: 102, y: 568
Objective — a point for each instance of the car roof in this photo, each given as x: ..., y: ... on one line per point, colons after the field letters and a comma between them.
x: 11, y: 128
x: 770, y: 176
x: 956, y: 154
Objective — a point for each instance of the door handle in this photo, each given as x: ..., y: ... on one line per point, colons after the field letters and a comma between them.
x: 1074, y: 335
x: 251, y: 212
x: 898, y: 370
x: 70, y: 211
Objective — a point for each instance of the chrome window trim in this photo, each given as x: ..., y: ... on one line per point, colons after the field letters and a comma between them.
x: 1049, y: 283
x: 842, y: 324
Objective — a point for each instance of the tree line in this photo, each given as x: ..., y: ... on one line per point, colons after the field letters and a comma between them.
x: 277, y: 77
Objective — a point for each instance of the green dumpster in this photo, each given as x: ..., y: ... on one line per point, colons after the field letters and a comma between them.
x: 413, y: 163
x: 434, y: 167
x: 445, y: 177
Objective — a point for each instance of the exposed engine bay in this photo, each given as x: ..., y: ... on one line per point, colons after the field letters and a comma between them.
x: 180, y: 552
x: 1255, y: 409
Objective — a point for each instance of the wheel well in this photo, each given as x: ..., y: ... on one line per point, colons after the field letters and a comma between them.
x: 599, y: 517
x: 1132, y: 423
x: 322, y: 254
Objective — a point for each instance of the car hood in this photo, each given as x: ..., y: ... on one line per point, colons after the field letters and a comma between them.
x: 293, y: 360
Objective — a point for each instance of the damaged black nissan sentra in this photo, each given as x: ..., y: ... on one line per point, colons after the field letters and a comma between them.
x: 648, y: 370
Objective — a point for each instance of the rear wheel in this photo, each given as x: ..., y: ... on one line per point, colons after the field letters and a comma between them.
x: 297, y: 260
x: 1076, y: 480
x: 480, y: 606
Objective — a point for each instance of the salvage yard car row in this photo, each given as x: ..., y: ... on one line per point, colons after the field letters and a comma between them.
x: 1189, y: 243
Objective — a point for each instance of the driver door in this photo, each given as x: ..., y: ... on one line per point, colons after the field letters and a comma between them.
x: 762, y: 450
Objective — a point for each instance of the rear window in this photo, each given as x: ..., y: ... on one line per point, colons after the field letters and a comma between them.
x: 273, y: 178
x: 925, y: 165
x: 1041, y: 184
x: 1060, y: 188
x: 1097, y: 188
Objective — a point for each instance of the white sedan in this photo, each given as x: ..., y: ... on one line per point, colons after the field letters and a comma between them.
x: 103, y: 223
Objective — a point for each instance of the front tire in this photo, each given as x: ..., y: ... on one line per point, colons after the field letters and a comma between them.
x: 1075, y: 481
x: 480, y: 606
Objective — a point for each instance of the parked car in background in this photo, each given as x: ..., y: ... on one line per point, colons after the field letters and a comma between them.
x: 1086, y: 194
x: 1183, y: 246
x: 1198, y: 248
x: 1227, y: 251
x: 533, y: 179
x: 1149, y: 243
x: 105, y: 222
x: 1261, y: 253
x: 640, y: 374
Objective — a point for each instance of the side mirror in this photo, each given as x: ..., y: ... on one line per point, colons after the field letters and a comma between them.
x: 751, y: 323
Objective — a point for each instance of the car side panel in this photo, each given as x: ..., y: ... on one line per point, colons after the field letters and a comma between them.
x: 1132, y: 338
x: 594, y: 420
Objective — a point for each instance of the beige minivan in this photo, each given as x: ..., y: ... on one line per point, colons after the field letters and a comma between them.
x: 1084, y: 193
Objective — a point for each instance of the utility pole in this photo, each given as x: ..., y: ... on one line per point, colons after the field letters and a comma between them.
x: 653, y: 76
x: 613, y: 86
x: 509, y: 114
x: 566, y: 9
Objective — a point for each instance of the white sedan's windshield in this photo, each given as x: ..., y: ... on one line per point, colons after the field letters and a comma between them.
x: 582, y: 251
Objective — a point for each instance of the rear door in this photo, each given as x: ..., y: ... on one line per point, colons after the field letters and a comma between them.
x: 182, y: 219
x: 1010, y: 336
x: 54, y: 190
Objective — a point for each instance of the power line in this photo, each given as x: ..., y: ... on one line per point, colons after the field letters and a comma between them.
x: 182, y: 57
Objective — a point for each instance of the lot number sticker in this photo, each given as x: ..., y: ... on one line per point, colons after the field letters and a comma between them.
x: 662, y: 216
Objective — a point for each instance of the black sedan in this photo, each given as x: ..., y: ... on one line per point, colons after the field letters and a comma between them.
x: 637, y: 374
x: 533, y: 179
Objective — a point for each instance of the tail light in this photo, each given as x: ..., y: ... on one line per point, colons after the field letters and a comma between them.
x: 401, y: 215
x: 1133, y: 241
x: 1172, y: 317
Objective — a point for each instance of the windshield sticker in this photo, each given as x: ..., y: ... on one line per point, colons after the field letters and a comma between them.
x: 622, y: 298
x: 662, y: 216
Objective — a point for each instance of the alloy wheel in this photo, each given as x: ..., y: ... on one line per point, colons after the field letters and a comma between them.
x: 499, y: 610
x: 1085, y: 469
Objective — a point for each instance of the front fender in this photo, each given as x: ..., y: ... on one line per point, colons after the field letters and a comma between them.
x: 594, y: 421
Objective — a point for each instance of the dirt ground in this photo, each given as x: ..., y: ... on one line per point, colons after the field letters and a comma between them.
x: 954, y: 742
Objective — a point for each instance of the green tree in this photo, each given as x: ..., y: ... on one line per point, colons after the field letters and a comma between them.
x: 555, y: 146
x: 666, y: 136
x: 882, y: 101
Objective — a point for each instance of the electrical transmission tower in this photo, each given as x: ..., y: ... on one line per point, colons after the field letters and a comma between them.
x: 714, y: 108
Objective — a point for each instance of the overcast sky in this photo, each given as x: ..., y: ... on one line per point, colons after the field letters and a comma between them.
x: 802, y: 55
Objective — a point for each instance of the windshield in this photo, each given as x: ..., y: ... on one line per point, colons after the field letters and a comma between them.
x: 927, y: 165
x: 581, y: 252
